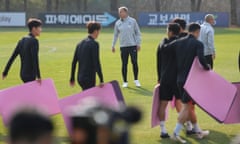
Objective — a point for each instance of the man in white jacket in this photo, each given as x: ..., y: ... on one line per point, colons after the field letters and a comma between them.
x: 207, y: 38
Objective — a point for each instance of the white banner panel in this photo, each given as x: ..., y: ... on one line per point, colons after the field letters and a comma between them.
x: 12, y: 19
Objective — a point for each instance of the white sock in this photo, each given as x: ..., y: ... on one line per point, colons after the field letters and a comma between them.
x: 189, y: 125
x: 178, y: 128
x: 162, y: 126
x: 196, y: 128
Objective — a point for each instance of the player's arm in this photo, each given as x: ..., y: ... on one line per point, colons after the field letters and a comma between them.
x: 210, y: 41
x: 201, y: 57
x: 35, y: 58
x: 73, y: 69
x: 11, y: 60
x: 96, y: 60
x: 115, y: 37
x: 159, y: 63
x: 138, y: 35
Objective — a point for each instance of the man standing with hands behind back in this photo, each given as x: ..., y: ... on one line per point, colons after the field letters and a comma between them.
x: 207, y: 38
x: 127, y: 29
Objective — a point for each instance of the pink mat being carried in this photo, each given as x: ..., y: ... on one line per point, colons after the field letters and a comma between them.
x: 110, y: 95
x: 155, y: 106
x: 234, y: 112
x: 210, y: 91
x: 30, y: 94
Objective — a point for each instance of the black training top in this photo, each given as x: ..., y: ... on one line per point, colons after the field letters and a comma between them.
x: 87, y: 56
x: 166, y: 64
x: 28, y: 49
x: 186, y: 49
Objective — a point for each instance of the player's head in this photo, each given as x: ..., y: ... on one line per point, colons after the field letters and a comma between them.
x: 194, y: 29
x: 35, y: 26
x: 94, y: 28
x: 123, y: 12
x: 181, y: 22
x: 173, y: 29
x: 30, y: 126
x: 209, y: 18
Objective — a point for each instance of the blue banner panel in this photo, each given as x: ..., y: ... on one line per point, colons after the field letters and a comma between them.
x: 162, y: 19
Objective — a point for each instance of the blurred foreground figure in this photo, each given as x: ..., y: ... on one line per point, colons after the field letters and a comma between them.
x: 30, y: 126
x: 94, y: 123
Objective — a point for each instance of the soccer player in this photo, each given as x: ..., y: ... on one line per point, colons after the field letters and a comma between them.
x: 186, y: 49
x: 183, y: 33
x: 127, y: 29
x: 167, y: 76
x: 87, y: 57
x: 27, y: 48
x: 207, y: 38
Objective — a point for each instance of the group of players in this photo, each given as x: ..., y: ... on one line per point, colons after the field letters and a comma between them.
x: 175, y: 56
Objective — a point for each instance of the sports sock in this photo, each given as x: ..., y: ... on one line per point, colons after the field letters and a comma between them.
x: 189, y: 126
x: 196, y: 128
x: 162, y: 126
x: 178, y: 128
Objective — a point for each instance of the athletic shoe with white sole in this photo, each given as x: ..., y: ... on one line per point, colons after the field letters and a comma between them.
x: 137, y: 83
x: 177, y: 138
x: 202, y: 134
x: 125, y: 84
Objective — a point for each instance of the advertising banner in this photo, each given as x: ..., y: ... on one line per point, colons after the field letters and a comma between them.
x: 12, y: 19
x: 162, y: 19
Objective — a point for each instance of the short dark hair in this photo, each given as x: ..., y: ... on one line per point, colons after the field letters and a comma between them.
x: 193, y: 27
x: 181, y: 22
x: 29, y: 125
x: 92, y: 26
x: 33, y: 22
x: 174, y: 27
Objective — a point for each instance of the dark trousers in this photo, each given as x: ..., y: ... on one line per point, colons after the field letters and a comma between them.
x: 86, y: 84
x: 125, y: 52
x: 209, y: 60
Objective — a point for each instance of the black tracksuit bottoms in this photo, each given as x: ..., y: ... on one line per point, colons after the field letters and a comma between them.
x: 125, y: 52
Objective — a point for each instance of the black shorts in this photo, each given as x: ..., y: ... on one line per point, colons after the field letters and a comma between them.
x: 184, y: 95
x: 167, y: 92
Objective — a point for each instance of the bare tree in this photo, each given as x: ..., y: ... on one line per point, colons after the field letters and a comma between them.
x: 113, y: 5
x: 85, y: 5
x: 56, y: 6
x: 79, y: 5
x: 25, y: 5
x: 234, y: 12
x: 7, y: 5
x: 49, y: 5
x: 157, y: 5
x: 196, y: 5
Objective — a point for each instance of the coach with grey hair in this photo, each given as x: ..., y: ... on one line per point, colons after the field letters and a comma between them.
x: 128, y: 32
x: 207, y: 38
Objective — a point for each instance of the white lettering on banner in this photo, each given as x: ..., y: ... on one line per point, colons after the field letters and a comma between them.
x: 51, y: 19
x: 73, y: 19
x: 164, y: 19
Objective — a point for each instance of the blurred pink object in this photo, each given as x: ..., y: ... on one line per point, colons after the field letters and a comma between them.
x: 110, y: 95
x: 30, y: 94
x: 210, y: 91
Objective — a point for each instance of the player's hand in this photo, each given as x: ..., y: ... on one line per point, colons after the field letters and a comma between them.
x: 39, y: 81
x: 213, y: 56
x: 113, y: 49
x: 72, y: 83
x: 138, y: 48
x: 3, y: 76
x: 101, y: 85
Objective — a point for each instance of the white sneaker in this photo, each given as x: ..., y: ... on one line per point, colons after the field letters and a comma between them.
x: 137, y: 83
x: 125, y: 84
x: 177, y: 138
x: 202, y: 134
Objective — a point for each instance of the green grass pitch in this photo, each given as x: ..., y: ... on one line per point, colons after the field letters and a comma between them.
x: 56, y: 51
